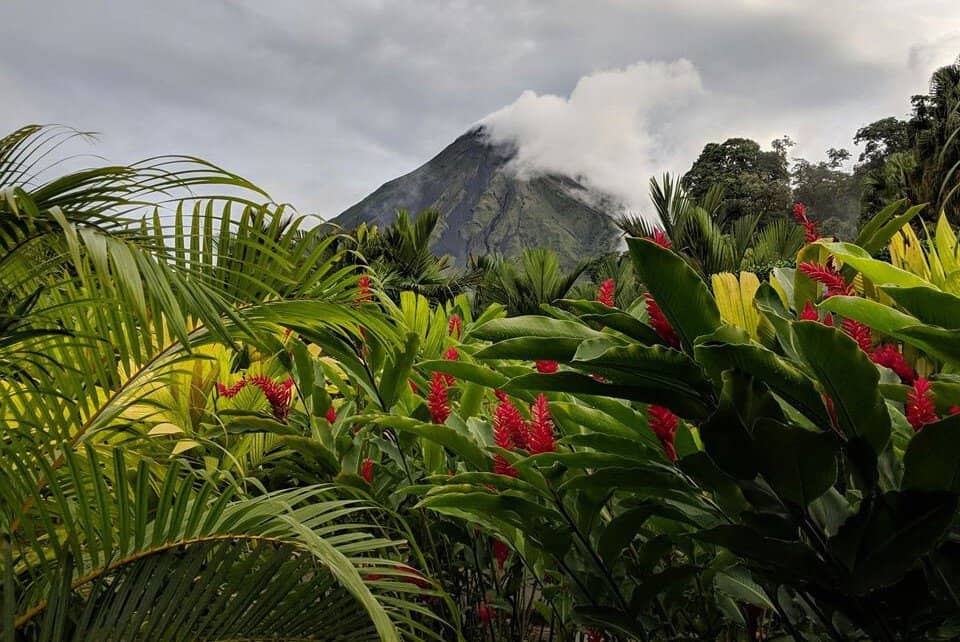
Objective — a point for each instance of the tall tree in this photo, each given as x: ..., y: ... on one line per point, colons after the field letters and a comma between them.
x: 754, y: 181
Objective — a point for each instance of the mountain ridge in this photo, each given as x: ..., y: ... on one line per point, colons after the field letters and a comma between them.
x: 486, y: 208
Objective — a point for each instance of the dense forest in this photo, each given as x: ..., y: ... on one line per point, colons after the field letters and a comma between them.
x: 220, y: 423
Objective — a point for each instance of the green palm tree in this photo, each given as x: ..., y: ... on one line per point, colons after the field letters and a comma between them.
x: 524, y: 284
x: 401, y: 259
x: 707, y: 242
x: 112, y: 281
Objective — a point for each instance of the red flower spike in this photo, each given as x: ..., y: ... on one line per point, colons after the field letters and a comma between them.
x: 860, y: 333
x: 453, y: 327
x: 809, y: 312
x: 500, y: 552
x: 504, y: 436
x: 664, y: 424
x: 502, y: 467
x: 541, y: 427
x: 810, y: 233
x: 547, y: 366
x: 367, y: 470
x: 331, y: 415
x: 277, y: 394
x: 605, y: 292
x: 920, y: 409
x: 501, y: 395
x: 659, y: 322
x: 508, y: 421
x: 829, y: 277
x: 437, y: 400
x: 366, y: 294
x: 888, y: 356
x: 660, y: 238
x: 232, y: 391
x: 828, y: 319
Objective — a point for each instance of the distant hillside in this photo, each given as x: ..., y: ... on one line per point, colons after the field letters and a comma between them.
x: 486, y: 209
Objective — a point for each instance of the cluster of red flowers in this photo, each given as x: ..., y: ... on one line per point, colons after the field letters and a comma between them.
x: 367, y: 470
x: 659, y: 322
x: 605, y: 293
x: 860, y: 333
x: 660, y: 238
x: 331, y: 415
x: 454, y: 326
x: 809, y: 313
x: 511, y: 432
x: 884, y: 354
x: 547, y: 366
x: 664, y: 424
x: 278, y: 394
x: 829, y: 276
x: 920, y: 409
x: 887, y: 355
x: 437, y: 400
x: 810, y: 232
x: 366, y: 294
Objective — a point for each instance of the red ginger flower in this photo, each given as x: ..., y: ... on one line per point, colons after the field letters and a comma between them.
x: 367, y: 470
x: 504, y: 432
x: 541, y: 427
x: 664, y: 424
x: 277, y: 394
x: 810, y: 233
x: 660, y: 238
x: 437, y: 400
x: 829, y: 276
x: 860, y: 333
x: 363, y: 282
x: 454, y: 326
x: 920, y: 408
x: 605, y: 292
x: 547, y: 366
x: 500, y: 552
x: 508, y: 421
x: 659, y: 322
x: 331, y: 415
x: 887, y: 355
x: 809, y: 312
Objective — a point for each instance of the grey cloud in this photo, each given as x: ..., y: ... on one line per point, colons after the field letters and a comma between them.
x: 322, y: 101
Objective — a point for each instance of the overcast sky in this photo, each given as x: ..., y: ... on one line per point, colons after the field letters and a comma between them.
x: 321, y: 101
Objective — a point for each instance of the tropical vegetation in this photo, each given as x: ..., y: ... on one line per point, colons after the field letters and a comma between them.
x: 221, y: 423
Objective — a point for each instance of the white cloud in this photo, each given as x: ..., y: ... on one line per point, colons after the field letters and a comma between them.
x: 614, y: 130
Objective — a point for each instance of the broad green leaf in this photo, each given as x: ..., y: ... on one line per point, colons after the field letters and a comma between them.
x: 799, y: 464
x: 849, y: 378
x: 880, y: 272
x: 932, y: 459
x: 888, y: 536
x: 682, y: 296
x: 446, y: 436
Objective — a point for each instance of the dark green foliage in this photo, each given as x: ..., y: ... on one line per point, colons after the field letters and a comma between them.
x: 754, y: 181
